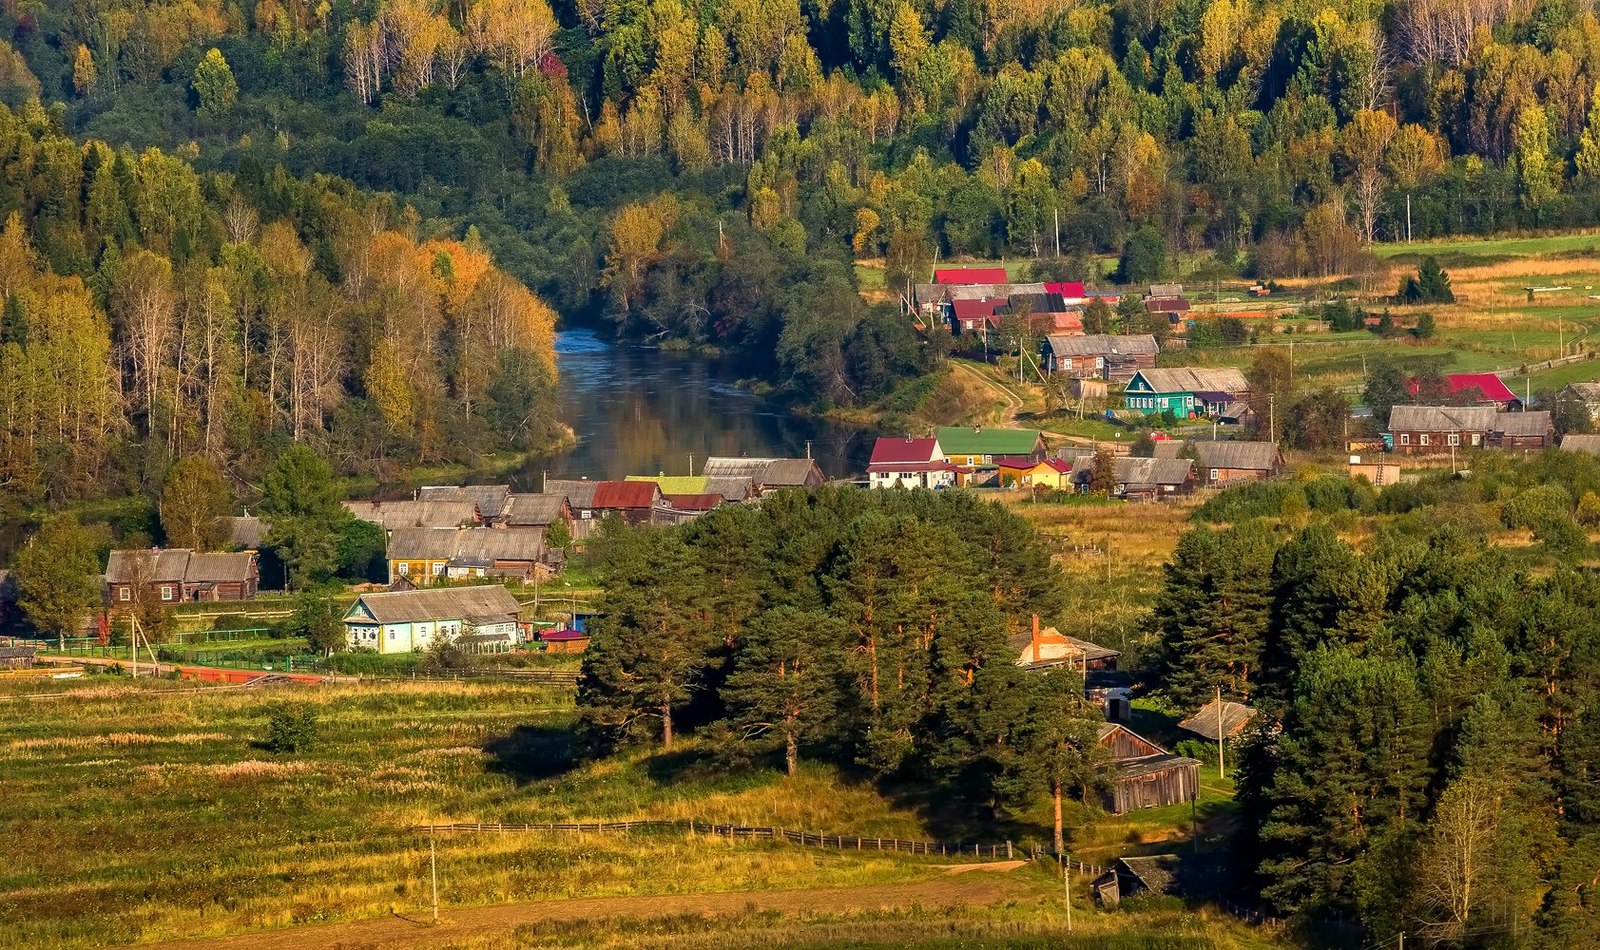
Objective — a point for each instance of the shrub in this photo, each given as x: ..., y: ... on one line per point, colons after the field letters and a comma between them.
x: 1537, y: 508
x: 291, y: 729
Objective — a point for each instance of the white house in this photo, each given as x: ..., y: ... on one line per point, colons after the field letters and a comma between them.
x: 909, y: 463
x: 483, y: 618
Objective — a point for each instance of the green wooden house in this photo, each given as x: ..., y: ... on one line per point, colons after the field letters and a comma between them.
x: 975, y: 445
x: 1186, y: 392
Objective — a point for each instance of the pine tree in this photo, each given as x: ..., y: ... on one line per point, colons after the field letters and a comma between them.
x: 786, y: 679
x: 1212, y: 612
x: 1057, y: 743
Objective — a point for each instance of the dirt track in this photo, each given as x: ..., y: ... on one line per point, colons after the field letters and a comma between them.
x: 456, y: 924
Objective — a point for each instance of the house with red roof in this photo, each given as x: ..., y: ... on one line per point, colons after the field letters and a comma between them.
x: 1050, y: 473
x: 909, y: 463
x: 971, y: 275
x: 636, y: 502
x: 1071, y: 290
x: 1471, y: 389
x: 975, y: 316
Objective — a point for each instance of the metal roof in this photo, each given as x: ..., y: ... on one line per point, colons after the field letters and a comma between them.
x: 617, y: 495
x: 247, y: 532
x: 445, y: 544
x: 1235, y: 716
x: 889, y: 451
x: 487, y: 602
x: 1523, y: 424
x: 976, y: 440
x: 490, y: 499
x: 416, y: 514
x: 1103, y: 344
x: 1189, y: 379
x: 1581, y: 443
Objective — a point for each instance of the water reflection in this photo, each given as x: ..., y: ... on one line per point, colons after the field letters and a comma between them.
x: 639, y: 411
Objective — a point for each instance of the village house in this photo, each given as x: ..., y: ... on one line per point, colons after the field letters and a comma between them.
x: 970, y: 275
x: 1586, y: 395
x: 530, y: 510
x: 245, y: 533
x: 681, y: 509
x: 1050, y: 647
x: 972, y: 446
x: 764, y: 475
x: 909, y: 463
x: 1431, y: 430
x: 579, y: 493
x: 634, y: 502
x: 490, y: 499
x: 179, y: 575
x: 1168, y: 300
x: 1054, y: 474
x: 482, y: 619
x: 1471, y: 389
x: 1148, y: 776
x: 1574, y: 442
x: 422, y: 556
x: 407, y: 513
x: 1228, y: 462
x: 1099, y: 356
x: 1186, y: 392
x: 1138, y: 479
x: 974, y: 316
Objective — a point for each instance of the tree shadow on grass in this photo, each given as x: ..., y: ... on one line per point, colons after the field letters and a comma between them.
x: 532, y: 753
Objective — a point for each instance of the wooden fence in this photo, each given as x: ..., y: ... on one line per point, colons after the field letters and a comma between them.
x: 993, y: 851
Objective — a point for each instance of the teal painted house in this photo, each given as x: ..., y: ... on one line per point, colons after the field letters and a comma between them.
x: 1186, y: 392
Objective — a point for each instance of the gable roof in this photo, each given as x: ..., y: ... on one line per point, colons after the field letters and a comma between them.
x: 1204, y: 721
x: 1442, y: 418
x: 490, y: 499
x: 1490, y: 386
x: 1588, y: 392
x: 1058, y: 465
x: 533, y: 509
x: 701, y: 502
x: 579, y: 491
x: 999, y: 289
x: 1103, y: 344
x: 1573, y: 442
x: 1071, y: 289
x: 247, y: 532
x: 179, y: 565
x: 1134, y: 472
x: 1189, y: 379
x: 976, y: 440
x: 891, y: 451
x: 615, y: 495
x: 1167, y: 304
x: 979, y: 309
x: 220, y: 568
x: 1231, y: 453
x: 416, y: 514
x: 423, y: 544
x: 1056, y: 649
x: 1166, y: 290
x: 486, y: 602
x: 970, y: 275
x: 675, y: 484
x: 471, y: 544
x: 1523, y: 424
x: 730, y: 488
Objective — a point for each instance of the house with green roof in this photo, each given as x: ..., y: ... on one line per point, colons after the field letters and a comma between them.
x: 976, y: 445
x: 676, y: 484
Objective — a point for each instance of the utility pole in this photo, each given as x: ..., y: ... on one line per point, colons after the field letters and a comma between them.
x: 433, y: 864
x: 1272, y: 417
x: 1058, y: 233
x: 1222, y: 770
x: 133, y: 645
x: 1066, y: 887
x: 691, y: 464
x: 1408, y: 223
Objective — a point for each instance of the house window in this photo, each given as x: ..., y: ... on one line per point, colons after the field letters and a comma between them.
x: 438, y: 569
x: 124, y: 594
x: 584, y: 514
x: 1453, y: 438
x: 166, y: 593
x: 1423, y: 438
x: 1405, y: 439
x: 403, y: 568
x: 1215, y: 474
x: 1476, y: 438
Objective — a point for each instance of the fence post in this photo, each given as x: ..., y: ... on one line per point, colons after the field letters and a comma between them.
x: 1008, y: 849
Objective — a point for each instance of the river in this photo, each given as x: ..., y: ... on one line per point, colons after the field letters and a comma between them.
x: 642, y: 411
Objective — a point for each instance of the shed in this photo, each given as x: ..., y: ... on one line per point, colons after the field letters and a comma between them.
x: 1155, y: 873
x: 1148, y: 776
x: 564, y: 640
x: 16, y: 657
x: 1212, y: 722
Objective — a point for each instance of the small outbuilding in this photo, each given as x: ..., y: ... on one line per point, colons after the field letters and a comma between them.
x: 1148, y: 776
x: 1215, y: 720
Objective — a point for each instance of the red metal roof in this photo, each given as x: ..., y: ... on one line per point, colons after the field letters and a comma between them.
x: 704, y: 502
x: 1014, y: 461
x: 1061, y: 466
x: 1069, y: 288
x: 565, y: 633
x: 1493, y: 388
x: 625, y: 494
x: 976, y: 309
x: 903, y: 451
x: 971, y: 275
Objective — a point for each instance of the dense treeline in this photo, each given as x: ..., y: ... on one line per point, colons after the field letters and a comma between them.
x: 870, y: 629
x: 1430, y: 701
x: 669, y: 162
x: 153, y: 312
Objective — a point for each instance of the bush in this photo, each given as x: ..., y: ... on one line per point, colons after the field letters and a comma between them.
x: 291, y: 729
x: 1538, y: 508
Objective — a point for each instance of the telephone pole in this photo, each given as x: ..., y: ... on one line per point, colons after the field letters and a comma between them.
x: 691, y: 464
x: 1222, y: 770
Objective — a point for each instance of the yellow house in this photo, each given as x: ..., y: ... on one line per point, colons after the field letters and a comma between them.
x: 1014, y: 470
x: 1051, y: 473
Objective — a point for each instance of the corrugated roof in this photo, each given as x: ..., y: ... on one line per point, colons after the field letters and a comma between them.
x: 1523, y: 424
x: 1490, y: 386
x: 1071, y: 289
x: 1103, y: 344
x: 533, y: 509
x: 1137, y: 472
x: 1581, y: 443
x: 1234, y: 717
x: 974, y: 291
x: 976, y: 440
x: 1166, y: 290
x: 887, y: 451
x: 416, y: 514
x: 970, y: 275
x: 579, y: 491
x: 1167, y: 305
x: 619, y: 495
x: 979, y: 309
x: 1588, y: 392
x: 245, y: 533
x: 675, y: 484
x: 791, y: 473
x: 1189, y: 379
x: 487, y: 601
x: 700, y: 502
x: 423, y: 544
x: 490, y: 499
x: 1442, y: 418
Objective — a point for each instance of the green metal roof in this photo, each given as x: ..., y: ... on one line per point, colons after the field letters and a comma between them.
x: 676, y: 484
x: 966, y: 440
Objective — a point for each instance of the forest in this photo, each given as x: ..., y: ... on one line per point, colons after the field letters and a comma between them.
x: 705, y: 173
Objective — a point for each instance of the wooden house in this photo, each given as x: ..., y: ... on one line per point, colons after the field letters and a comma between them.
x: 1433, y: 430
x: 1523, y: 430
x: 1186, y: 392
x: 1586, y: 395
x: 634, y: 502
x: 1228, y: 462
x: 1014, y: 469
x: 1050, y: 647
x: 535, y: 511
x: 426, y: 555
x: 245, y: 533
x: 909, y: 463
x: 179, y: 575
x: 16, y: 657
x: 1098, y: 356
x: 1148, y: 776
x: 580, y: 500
x: 489, y: 499
x: 762, y: 475
x: 1138, y: 479
x: 1054, y: 474
x: 974, y: 316
x: 680, y: 509
x: 484, y: 617
x: 975, y: 445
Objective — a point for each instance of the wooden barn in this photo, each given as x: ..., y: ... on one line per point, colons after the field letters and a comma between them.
x: 1148, y: 776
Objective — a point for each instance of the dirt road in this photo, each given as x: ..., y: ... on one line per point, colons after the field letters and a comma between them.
x: 418, y: 930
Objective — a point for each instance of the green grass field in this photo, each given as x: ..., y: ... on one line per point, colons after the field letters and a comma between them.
x: 1491, y: 249
x: 149, y: 811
